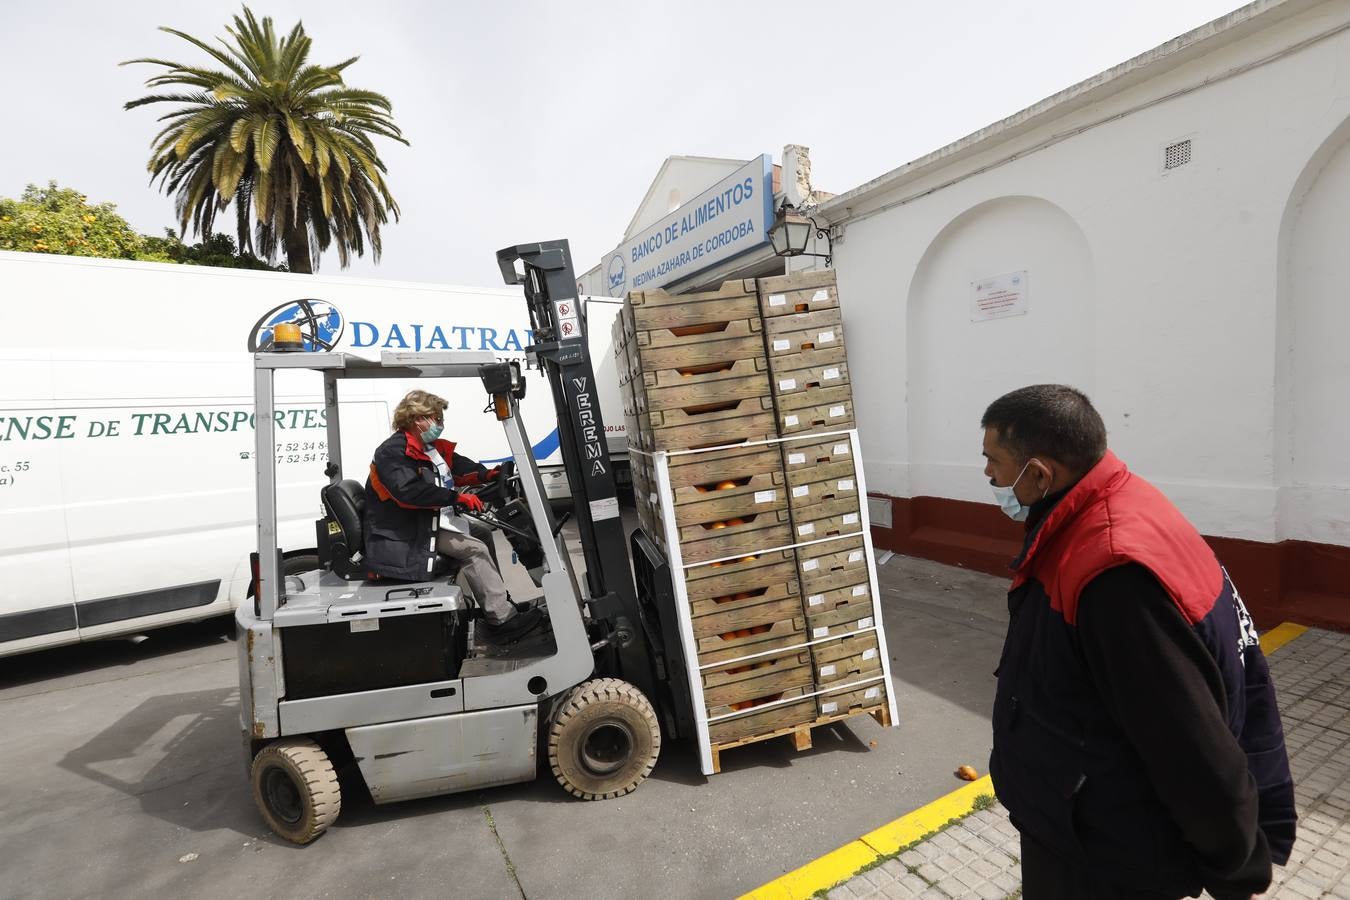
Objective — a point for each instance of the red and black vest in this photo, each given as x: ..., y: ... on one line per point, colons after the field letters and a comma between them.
x: 1051, y: 731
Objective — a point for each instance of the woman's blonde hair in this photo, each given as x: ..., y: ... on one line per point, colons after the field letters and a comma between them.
x: 418, y: 405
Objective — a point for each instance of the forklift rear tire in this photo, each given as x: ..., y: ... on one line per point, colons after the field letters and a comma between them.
x: 603, y: 739
x: 296, y: 789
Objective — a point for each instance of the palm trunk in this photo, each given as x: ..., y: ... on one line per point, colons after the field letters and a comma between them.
x: 297, y: 249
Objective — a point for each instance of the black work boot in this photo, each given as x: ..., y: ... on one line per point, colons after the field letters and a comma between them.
x: 513, y: 629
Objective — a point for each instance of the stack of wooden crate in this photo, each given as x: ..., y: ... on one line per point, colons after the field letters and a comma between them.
x: 729, y: 392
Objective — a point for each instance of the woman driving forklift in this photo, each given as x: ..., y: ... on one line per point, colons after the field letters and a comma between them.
x: 413, y: 477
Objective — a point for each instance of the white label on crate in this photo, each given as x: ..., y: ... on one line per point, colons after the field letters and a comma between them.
x: 860, y: 590
x: 846, y: 484
x: 841, y: 450
x: 822, y: 631
x: 829, y: 374
x: 850, y: 518
x: 790, y: 421
x: 808, y: 528
x: 778, y: 299
x: 781, y: 345
x: 801, y: 490
x: 820, y: 296
x: 365, y: 625
x: 827, y: 671
x: 872, y: 693
x: 810, y: 565
x: 855, y: 556
x: 816, y: 599
x: 787, y: 384
x: 827, y: 708
x: 865, y: 623
x: 824, y: 337
x: 796, y: 459
x: 765, y: 496
x: 837, y: 411
x: 870, y: 653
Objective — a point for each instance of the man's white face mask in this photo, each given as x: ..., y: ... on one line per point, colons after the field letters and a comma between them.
x: 1007, y: 498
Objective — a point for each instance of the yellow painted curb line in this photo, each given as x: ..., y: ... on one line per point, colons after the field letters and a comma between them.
x: 839, y: 865
x: 842, y: 863
x: 1280, y: 635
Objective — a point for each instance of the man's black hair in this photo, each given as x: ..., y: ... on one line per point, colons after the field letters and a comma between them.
x: 1049, y: 420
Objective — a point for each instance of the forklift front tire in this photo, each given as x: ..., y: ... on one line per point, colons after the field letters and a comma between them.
x: 296, y: 789
x: 603, y: 739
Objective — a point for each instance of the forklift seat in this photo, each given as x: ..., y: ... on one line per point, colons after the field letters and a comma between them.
x: 340, y: 528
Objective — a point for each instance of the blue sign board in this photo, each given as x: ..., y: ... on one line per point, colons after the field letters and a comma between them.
x: 726, y: 220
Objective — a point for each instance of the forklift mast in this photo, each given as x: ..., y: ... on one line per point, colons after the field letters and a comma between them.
x: 561, y: 349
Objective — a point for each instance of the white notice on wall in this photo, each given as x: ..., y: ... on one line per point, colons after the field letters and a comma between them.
x: 999, y: 297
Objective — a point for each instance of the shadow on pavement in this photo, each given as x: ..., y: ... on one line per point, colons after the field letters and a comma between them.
x: 43, y: 665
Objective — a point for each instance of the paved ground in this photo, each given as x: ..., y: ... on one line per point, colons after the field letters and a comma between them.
x: 979, y: 856
x: 123, y: 776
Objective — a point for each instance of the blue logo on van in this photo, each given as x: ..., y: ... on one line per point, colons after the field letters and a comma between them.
x: 615, y: 273
x: 321, y: 325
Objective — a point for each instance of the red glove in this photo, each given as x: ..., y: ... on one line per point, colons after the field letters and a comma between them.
x: 471, y: 503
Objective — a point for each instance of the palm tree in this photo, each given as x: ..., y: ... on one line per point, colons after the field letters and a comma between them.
x: 276, y: 134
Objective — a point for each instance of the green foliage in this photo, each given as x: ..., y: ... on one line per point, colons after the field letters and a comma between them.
x: 278, y: 136
x: 218, y: 250
x: 61, y: 220
x: 984, y: 801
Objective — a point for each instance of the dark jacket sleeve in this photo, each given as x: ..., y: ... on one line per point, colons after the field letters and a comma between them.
x: 400, y: 477
x: 1165, y: 691
x: 467, y: 471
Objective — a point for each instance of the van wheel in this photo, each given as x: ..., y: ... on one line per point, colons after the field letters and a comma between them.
x: 603, y: 739
x: 296, y: 789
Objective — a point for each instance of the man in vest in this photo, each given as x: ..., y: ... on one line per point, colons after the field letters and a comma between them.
x: 1137, y: 745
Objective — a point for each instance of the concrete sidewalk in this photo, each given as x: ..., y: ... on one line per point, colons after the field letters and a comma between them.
x: 978, y: 856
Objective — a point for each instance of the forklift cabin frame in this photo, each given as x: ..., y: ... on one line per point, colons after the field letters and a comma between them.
x: 503, y: 695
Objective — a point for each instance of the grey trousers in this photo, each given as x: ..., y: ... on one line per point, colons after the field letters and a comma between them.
x: 476, y: 564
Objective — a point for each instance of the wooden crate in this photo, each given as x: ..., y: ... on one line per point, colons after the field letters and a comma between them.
x: 713, y: 467
x: 821, y: 603
x: 747, y: 573
x: 784, y: 634
x: 802, y: 332
x: 752, y: 533
x: 733, y: 687
x: 762, y: 725
x: 853, y: 701
x: 824, y: 409
x: 832, y: 565
x: 746, y: 609
x: 799, y: 292
x: 857, y: 615
x: 700, y: 386
x: 657, y: 309
x: 851, y: 659
x: 819, y: 460
x: 810, y: 377
x: 700, y: 345
x: 824, y: 520
x: 733, y: 423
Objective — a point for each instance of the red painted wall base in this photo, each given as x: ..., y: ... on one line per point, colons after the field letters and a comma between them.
x: 1292, y: 581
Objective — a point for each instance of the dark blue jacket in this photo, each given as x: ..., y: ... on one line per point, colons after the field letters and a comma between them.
x: 1135, y: 725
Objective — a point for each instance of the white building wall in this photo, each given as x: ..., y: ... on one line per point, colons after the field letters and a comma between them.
x: 1203, y: 309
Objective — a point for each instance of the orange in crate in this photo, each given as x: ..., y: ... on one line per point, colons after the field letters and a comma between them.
x: 710, y: 328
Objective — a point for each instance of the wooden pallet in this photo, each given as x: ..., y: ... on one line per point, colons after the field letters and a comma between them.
x: 800, y: 734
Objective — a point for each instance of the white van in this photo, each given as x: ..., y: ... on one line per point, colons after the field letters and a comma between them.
x: 126, y: 433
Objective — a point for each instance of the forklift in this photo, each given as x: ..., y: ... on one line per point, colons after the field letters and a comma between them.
x: 390, y: 680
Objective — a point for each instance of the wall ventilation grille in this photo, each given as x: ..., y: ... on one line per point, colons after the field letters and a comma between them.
x: 1176, y: 155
